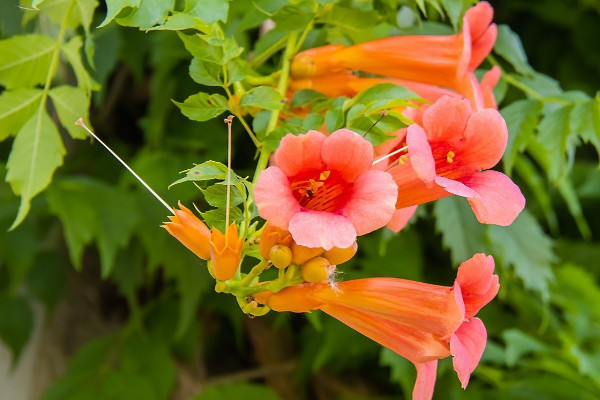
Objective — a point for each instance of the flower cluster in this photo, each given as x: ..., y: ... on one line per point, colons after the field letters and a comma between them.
x: 323, y: 190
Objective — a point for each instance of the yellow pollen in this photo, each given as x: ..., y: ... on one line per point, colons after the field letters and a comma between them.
x: 450, y: 156
x: 324, y: 175
x: 402, y: 159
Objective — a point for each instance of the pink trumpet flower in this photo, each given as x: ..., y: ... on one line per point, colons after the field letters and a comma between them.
x: 451, y: 153
x: 323, y: 191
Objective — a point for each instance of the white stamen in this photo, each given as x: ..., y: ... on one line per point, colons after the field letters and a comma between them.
x: 164, y: 203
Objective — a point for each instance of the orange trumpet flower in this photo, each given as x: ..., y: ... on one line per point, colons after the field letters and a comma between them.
x: 190, y: 231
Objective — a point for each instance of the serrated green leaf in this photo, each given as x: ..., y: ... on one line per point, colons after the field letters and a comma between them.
x: 36, y: 153
x: 461, y: 233
x: 72, y: 52
x: 216, y: 195
x: 525, y: 246
x: 148, y: 14
x: 80, y: 14
x: 206, y: 73
x: 204, y: 172
x: 203, y: 106
x: 16, y: 323
x: 25, y: 60
x: 305, y: 97
x: 71, y: 103
x: 521, y: 119
x: 553, y: 131
x: 91, y: 211
x: 216, y: 218
x: 16, y: 107
x: 247, y: 391
x: 114, y: 7
x: 264, y: 97
x: 209, y: 11
x: 200, y: 49
x: 508, y: 45
x: 293, y: 17
x: 582, y: 122
x: 177, y: 22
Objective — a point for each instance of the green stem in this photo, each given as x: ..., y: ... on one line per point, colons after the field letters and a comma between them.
x: 256, y: 271
x: 262, y: 57
x: 255, y: 140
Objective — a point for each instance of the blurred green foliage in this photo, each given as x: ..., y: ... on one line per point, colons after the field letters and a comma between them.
x: 136, y: 79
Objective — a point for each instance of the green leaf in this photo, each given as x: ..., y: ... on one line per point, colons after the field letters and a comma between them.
x: 206, y: 73
x: 92, y: 211
x: 16, y: 323
x: 16, y: 107
x: 81, y: 14
x: 305, y: 97
x: 461, y: 233
x: 455, y: 9
x: 585, y: 122
x: 525, y: 246
x: 521, y: 119
x: 72, y: 52
x: 216, y: 218
x: 204, y: 172
x: 148, y: 14
x: 177, y: 22
x: 200, y: 49
x: 209, y: 11
x: 264, y: 97
x: 114, y: 7
x: 25, y: 60
x: 553, y: 132
x: 508, y: 45
x: 246, y: 391
x: 37, y: 152
x: 518, y: 344
x: 203, y: 106
x: 71, y: 103
x: 293, y: 17
x: 402, y: 371
x: 349, y: 18
x: 216, y: 195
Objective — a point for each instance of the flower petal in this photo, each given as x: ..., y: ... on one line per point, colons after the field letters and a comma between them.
x: 485, y: 139
x: 322, y: 229
x: 298, y: 153
x: 400, y: 218
x: 274, y: 199
x: 477, y: 282
x: 373, y: 201
x: 348, y: 153
x: 426, y: 375
x: 456, y: 187
x: 467, y: 346
x: 488, y: 82
x: 419, y: 151
x: 499, y: 201
x: 446, y: 119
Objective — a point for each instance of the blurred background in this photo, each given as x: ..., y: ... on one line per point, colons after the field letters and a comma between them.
x: 98, y: 302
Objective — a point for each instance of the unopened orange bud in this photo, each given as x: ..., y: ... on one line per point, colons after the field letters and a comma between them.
x: 337, y: 256
x: 301, y: 254
x: 190, y: 231
x: 317, y: 270
x: 280, y: 256
x: 225, y: 252
x: 271, y: 236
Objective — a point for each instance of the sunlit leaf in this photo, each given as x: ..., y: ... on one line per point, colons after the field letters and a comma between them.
x: 209, y: 11
x: 72, y: 52
x: 114, y: 7
x: 71, y: 103
x: 203, y: 106
x: 148, y: 14
x: 25, y: 60
x: 36, y: 153
x: 264, y: 97
x: 16, y: 107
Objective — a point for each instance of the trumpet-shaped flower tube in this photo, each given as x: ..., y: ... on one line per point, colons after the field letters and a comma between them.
x: 451, y: 154
x: 419, y: 321
x: 225, y: 252
x: 323, y: 191
x: 190, y: 231
x: 433, y: 59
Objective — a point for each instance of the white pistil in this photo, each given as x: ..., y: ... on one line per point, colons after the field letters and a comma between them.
x: 393, y: 153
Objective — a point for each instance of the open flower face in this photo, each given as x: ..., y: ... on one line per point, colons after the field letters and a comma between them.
x: 450, y: 153
x: 322, y: 189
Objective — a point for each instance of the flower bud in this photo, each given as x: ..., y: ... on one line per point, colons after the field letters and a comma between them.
x: 271, y: 236
x: 317, y: 270
x: 280, y: 255
x: 301, y: 254
x: 337, y: 256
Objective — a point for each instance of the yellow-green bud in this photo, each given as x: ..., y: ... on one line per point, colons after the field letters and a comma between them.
x: 316, y: 270
x: 280, y: 255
